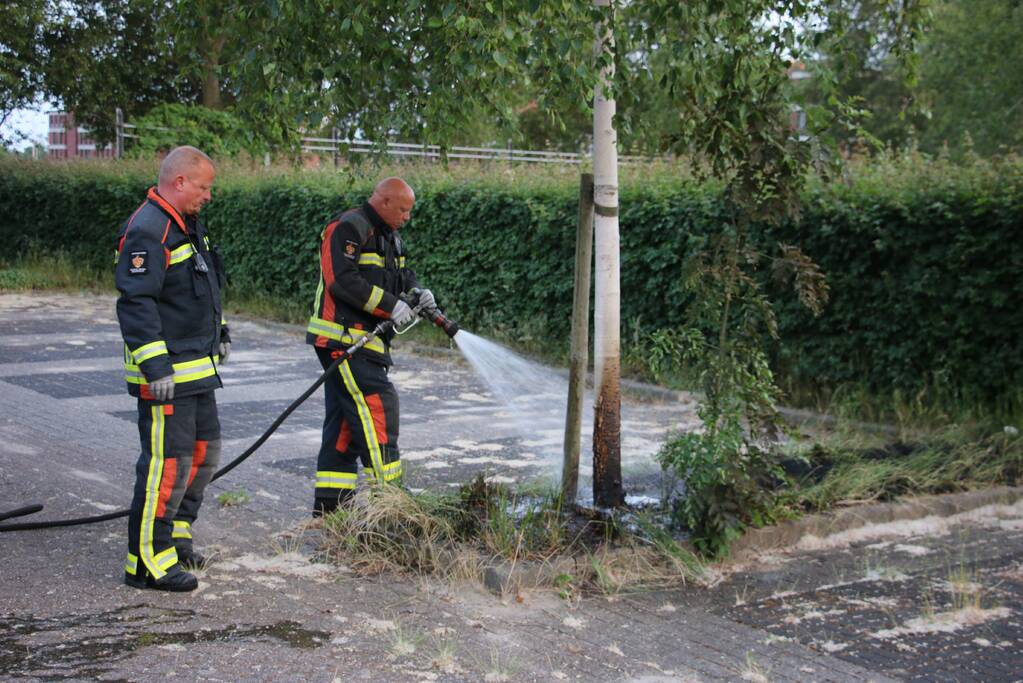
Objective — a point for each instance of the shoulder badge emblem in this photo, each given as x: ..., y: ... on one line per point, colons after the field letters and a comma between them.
x: 138, y: 263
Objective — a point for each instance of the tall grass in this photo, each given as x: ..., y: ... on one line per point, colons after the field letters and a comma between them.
x: 954, y: 459
x: 36, y: 271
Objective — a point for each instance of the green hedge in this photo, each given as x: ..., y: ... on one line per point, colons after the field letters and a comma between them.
x: 923, y: 257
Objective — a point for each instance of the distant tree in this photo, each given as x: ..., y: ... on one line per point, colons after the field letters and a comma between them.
x: 410, y: 68
x: 971, y: 76
x: 218, y: 133
x: 20, y: 55
x: 860, y: 52
x: 137, y: 54
x: 104, y: 54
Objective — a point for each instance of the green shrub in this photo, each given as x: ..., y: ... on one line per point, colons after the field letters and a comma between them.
x: 218, y: 133
x: 923, y: 257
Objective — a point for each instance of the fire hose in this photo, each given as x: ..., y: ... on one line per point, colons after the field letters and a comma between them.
x: 434, y: 315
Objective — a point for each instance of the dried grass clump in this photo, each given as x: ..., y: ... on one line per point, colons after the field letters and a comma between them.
x: 388, y: 529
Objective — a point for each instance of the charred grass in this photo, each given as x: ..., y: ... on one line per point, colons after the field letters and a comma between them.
x: 457, y: 537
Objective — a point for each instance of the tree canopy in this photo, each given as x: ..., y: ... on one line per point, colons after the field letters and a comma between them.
x: 702, y: 72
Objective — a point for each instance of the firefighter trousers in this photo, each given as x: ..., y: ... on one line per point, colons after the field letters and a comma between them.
x: 180, y: 452
x: 360, y: 424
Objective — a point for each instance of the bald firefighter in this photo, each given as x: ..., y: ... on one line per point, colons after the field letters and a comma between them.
x: 363, y: 271
x: 174, y: 338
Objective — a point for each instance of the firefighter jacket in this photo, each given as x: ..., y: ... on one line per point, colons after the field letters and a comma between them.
x: 362, y: 272
x: 169, y: 309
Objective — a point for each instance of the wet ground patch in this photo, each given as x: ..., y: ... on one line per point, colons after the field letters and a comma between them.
x: 88, y: 645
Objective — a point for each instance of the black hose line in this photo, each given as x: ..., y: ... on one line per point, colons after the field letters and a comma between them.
x: 345, y: 355
x: 27, y: 510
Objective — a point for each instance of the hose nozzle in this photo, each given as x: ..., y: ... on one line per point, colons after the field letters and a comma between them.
x: 434, y: 315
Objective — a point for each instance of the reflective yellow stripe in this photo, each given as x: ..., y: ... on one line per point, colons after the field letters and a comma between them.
x: 392, y: 470
x: 371, y: 260
x: 318, y: 301
x: 186, y: 371
x: 401, y: 261
x: 191, y: 370
x: 132, y: 565
x: 167, y: 559
x: 365, y: 417
x: 336, y: 480
x: 181, y: 530
x: 374, y: 299
x: 117, y: 256
x: 324, y: 328
x: 152, y: 496
x: 182, y: 253
x: 150, y: 350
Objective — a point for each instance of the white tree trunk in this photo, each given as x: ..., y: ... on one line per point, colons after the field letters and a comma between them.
x: 607, y: 462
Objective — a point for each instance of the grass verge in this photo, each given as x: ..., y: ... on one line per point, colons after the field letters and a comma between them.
x: 454, y: 538
x: 847, y: 469
x: 53, y: 272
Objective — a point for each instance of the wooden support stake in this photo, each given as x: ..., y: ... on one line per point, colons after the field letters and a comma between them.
x: 580, y: 341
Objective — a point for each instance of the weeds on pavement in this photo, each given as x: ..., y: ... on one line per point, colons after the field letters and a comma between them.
x: 456, y: 537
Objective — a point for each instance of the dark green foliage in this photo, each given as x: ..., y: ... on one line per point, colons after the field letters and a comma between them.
x: 926, y: 274
x: 218, y: 133
x: 923, y: 258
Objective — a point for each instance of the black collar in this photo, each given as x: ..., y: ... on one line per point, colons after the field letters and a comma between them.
x: 375, y: 219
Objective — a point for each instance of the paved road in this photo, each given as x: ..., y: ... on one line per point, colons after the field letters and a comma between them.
x: 264, y: 612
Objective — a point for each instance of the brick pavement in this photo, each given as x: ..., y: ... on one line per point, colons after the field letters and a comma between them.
x: 68, y: 439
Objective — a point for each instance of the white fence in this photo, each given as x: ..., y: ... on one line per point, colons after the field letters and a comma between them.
x: 338, y: 148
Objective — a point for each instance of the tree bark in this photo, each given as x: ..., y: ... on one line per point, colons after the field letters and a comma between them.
x: 210, y: 78
x: 607, y: 456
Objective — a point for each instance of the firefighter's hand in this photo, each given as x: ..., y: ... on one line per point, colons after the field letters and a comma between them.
x: 401, y: 313
x: 162, y: 389
x: 225, y: 351
x: 427, y: 303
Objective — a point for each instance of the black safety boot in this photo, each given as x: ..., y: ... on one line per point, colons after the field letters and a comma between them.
x: 177, y: 581
x: 326, y: 505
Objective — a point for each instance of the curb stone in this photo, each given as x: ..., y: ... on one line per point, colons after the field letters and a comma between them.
x: 790, y: 532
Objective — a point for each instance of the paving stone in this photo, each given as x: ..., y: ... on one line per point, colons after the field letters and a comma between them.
x: 68, y: 440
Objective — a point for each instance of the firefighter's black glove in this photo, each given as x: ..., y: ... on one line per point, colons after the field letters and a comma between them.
x: 401, y: 314
x: 162, y: 389
x: 427, y: 303
x: 225, y: 351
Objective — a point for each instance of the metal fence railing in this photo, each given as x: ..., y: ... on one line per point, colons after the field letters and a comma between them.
x: 338, y: 148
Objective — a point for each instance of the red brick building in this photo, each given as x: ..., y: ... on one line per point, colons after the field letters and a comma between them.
x: 69, y: 141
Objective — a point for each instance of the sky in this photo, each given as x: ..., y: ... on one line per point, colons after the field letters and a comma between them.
x: 34, y: 124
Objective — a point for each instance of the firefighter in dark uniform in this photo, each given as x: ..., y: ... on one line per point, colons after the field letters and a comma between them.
x: 363, y: 271
x: 174, y: 338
